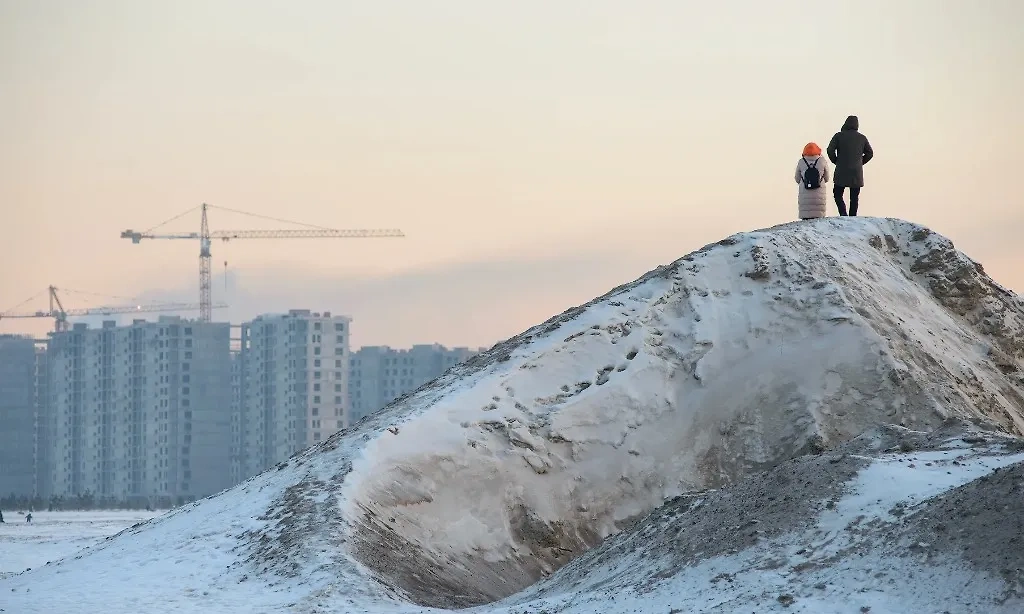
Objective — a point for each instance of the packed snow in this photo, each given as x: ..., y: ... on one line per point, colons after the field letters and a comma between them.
x: 565, y: 443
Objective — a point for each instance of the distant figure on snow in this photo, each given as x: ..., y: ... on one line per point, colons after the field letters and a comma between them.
x: 812, y: 174
x: 1, y: 516
x: 29, y: 517
x: 849, y: 150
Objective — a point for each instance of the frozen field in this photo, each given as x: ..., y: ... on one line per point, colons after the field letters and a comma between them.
x: 53, y: 535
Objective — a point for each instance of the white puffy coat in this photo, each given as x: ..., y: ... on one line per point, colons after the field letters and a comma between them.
x: 812, y: 203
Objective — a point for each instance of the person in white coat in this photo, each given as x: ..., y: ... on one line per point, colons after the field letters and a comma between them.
x: 812, y: 197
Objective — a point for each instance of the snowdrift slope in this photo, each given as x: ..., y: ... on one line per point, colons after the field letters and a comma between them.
x: 751, y: 351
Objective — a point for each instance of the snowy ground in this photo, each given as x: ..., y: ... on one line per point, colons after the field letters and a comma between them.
x: 54, y: 535
x: 519, y: 476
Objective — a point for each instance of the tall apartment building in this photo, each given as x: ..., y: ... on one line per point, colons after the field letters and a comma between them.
x: 294, y: 385
x: 17, y: 416
x: 41, y: 398
x: 379, y: 374
x: 236, y: 468
x: 139, y: 412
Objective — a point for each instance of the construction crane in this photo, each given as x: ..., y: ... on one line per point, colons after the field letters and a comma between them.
x: 205, y: 237
x: 60, y: 314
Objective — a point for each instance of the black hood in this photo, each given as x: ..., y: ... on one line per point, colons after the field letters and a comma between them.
x: 852, y: 123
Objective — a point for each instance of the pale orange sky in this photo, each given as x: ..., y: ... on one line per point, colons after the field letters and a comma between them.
x: 535, y: 153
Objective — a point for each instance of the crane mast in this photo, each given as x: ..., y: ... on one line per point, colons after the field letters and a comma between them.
x: 205, y: 293
x: 206, y: 236
x: 60, y: 317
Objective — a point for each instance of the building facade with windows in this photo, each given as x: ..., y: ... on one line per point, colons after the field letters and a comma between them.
x: 379, y: 374
x: 236, y: 467
x: 18, y: 411
x: 138, y: 412
x: 41, y: 398
x: 293, y: 385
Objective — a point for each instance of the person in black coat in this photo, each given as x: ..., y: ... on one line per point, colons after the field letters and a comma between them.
x: 849, y: 151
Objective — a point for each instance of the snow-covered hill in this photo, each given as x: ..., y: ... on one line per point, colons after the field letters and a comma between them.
x: 752, y: 351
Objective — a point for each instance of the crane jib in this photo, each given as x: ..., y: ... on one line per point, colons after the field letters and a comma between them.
x: 205, y: 237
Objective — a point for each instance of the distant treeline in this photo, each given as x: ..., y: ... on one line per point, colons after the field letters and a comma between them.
x: 84, y: 502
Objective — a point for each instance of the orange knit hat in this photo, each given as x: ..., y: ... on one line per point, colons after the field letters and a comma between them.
x: 812, y: 149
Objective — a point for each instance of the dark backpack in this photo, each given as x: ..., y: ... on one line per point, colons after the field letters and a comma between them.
x: 812, y: 178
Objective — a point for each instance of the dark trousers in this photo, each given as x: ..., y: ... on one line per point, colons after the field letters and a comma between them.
x: 854, y: 199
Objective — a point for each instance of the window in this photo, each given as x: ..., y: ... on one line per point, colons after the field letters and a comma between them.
x: 316, y: 363
x: 337, y: 400
x: 188, y: 343
x: 316, y: 351
x: 338, y: 350
x: 316, y: 375
x: 316, y: 387
x: 316, y: 326
x: 340, y: 339
x: 337, y: 387
x: 316, y: 399
x: 339, y: 326
x: 188, y: 355
x: 316, y: 411
x: 188, y: 330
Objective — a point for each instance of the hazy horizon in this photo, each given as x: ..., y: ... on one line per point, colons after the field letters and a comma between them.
x: 535, y: 154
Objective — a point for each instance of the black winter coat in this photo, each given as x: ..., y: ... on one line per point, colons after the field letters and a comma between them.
x: 849, y: 151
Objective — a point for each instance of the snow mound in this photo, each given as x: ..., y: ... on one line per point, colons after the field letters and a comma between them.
x: 747, y: 353
x: 735, y: 358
